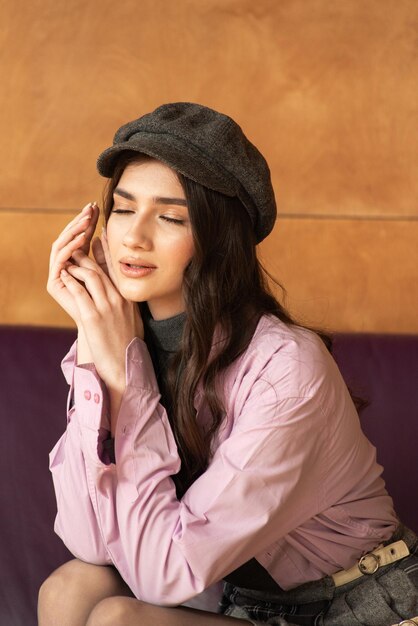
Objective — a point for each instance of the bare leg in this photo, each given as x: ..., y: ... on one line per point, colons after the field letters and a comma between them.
x: 69, y: 595
x: 119, y: 611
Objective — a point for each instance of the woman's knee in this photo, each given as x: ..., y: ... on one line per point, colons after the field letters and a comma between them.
x: 58, y: 584
x: 116, y: 611
x: 77, y: 586
x: 75, y: 575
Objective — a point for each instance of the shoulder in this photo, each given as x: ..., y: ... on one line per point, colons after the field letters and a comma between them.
x: 290, y: 358
x: 286, y: 379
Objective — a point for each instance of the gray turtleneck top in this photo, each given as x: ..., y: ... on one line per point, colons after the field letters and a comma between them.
x: 163, y: 340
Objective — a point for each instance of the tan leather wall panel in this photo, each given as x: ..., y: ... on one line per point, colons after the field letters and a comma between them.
x: 339, y: 273
x: 350, y: 275
x: 327, y: 90
x: 24, y: 257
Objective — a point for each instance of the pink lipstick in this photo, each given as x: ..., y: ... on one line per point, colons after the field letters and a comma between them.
x: 136, y: 270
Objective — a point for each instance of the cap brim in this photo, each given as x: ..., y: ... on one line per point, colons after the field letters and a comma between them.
x: 183, y: 158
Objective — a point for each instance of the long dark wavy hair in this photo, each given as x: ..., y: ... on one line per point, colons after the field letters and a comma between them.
x: 226, y: 291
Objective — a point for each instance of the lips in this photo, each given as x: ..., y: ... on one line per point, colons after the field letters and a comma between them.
x: 139, y: 269
x: 137, y: 263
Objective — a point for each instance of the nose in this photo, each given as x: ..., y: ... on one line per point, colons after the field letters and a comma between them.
x: 139, y: 233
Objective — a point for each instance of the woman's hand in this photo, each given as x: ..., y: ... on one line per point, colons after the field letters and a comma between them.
x: 108, y: 321
x: 86, y: 289
x: 75, y: 236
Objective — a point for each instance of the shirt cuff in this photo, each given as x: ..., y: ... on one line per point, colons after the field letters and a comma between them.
x: 92, y: 410
x: 92, y: 403
x: 90, y: 395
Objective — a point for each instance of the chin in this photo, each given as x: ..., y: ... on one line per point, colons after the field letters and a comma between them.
x: 132, y: 295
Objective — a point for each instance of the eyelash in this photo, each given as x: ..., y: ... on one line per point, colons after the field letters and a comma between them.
x: 171, y: 220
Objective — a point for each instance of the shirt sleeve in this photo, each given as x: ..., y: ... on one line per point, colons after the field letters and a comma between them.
x: 74, y: 487
x: 260, y: 484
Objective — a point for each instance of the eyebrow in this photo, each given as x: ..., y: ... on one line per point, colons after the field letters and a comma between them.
x: 157, y: 199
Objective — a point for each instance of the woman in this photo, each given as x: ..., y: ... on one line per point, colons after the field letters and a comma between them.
x: 209, y: 437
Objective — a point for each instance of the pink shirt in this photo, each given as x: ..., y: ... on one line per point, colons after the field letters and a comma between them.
x: 293, y: 480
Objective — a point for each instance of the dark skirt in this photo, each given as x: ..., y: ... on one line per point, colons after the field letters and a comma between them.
x: 386, y: 597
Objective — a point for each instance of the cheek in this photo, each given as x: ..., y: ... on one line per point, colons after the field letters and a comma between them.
x: 185, y: 252
x: 175, y: 253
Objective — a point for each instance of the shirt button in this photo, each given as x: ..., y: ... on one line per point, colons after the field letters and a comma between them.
x: 87, y: 394
x: 96, y: 398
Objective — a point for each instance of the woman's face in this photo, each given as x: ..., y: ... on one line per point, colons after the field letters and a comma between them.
x: 150, y: 237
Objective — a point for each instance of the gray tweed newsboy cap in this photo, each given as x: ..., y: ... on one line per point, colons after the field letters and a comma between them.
x: 205, y: 146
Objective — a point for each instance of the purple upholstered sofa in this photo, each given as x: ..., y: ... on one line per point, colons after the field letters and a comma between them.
x: 380, y: 368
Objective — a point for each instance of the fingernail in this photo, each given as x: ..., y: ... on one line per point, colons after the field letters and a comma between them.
x: 80, y: 235
x: 64, y: 273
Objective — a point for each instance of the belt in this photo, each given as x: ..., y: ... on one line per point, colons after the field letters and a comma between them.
x: 370, y: 563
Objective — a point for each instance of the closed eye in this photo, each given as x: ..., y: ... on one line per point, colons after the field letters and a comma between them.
x: 166, y: 218
x: 171, y: 220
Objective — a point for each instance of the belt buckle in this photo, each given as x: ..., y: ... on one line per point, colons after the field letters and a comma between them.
x: 363, y: 566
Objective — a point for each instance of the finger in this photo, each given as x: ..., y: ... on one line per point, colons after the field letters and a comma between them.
x: 88, y: 219
x: 109, y: 289
x: 84, y: 303
x: 82, y: 260
x: 106, y: 252
x: 57, y: 290
x: 85, y: 211
x: 85, y: 222
x: 72, y: 230
x: 91, y: 227
x: 94, y: 283
x: 83, y: 228
x: 61, y: 255
x: 99, y: 255
x: 63, y: 250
